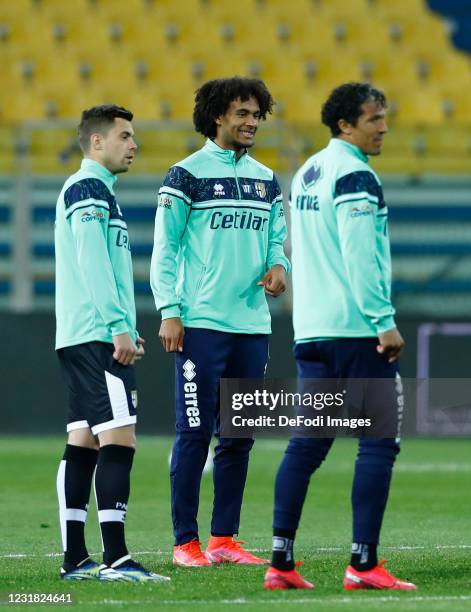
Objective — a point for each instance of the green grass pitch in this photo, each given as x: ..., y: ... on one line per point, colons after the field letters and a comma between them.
x: 426, y: 534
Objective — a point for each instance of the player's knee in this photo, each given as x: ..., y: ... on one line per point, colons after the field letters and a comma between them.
x: 120, y: 436
x: 378, y: 451
x: 315, y: 447
x: 82, y: 437
x: 238, y: 446
x: 194, y: 437
x: 190, y: 447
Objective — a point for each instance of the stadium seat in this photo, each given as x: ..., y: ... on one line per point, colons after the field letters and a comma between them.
x: 152, y: 55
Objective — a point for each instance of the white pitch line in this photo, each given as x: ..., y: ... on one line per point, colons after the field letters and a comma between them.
x: 410, y: 468
x: 259, y: 550
x: 433, y: 467
x: 282, y: 601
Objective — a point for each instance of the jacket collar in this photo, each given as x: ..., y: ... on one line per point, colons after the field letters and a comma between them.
x: 339, y: 144
x: 225, y: 155
x: 92, y: 166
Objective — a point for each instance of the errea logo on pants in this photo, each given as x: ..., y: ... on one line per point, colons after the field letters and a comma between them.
x: 191, y: 398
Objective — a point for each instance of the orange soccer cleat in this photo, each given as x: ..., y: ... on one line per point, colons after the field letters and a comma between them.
x: 227, y: 550
x: 189, y: 555
x: 376, y: 578
x: 277, y: 579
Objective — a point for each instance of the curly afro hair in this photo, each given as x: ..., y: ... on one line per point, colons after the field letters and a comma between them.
x: 345, y: 103
x: 213, y: 98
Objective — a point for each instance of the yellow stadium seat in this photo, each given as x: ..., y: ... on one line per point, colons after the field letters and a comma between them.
x: 12, y: 11
x: 460, y: 111
x: 405, y: 9
x: 160, y: 148
x: 8, y: 136
x: 151, y: 56
x: 339, y: 9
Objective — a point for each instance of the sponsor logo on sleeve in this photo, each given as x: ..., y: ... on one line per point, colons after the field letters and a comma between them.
x: 92, y: 215
x: 361, y: 211
x: 164, y: 201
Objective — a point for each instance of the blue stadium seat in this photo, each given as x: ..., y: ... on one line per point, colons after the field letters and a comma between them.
x: 451, y: 8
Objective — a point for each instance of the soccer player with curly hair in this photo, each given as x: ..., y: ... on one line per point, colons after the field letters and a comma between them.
x: 218, y: 251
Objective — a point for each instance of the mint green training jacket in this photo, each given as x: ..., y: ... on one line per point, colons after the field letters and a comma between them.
x: 219, y: 227
x: 94, y: 278
x: 341, y: 253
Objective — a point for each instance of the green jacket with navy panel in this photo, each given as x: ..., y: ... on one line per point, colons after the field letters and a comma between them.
x: 219, y: 227
x: 341, y: 252
x: 94, y: 277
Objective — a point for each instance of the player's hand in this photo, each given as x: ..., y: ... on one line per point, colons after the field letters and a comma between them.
x: 391, y: 344
x: 171, y: 334
x: 274, y: 281
x: 140, y: 352
x: 124, y: 349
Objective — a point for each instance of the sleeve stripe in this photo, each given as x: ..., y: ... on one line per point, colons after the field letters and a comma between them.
x: 263, y: 206
x: 352, y: 201
x: 175, y: 192
x: 279, y: 198
x: 118, y: 223
x: 351, y: 197
x: 87, y: 204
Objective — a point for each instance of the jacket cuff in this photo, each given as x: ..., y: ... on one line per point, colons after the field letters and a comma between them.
x: 284, y: 262
x: 170, y: 312
x: 118, y: 328
x: 385, y: 324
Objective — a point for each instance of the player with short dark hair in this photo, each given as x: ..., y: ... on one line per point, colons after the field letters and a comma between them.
x: 344, y: 327
x: 218, y: 250
x: 97, y: 345
x: 99, y: 119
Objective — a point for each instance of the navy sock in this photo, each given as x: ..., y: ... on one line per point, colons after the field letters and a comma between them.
x: 112, y: 486
x: 74, y: 481
x: 282, y: 549
x: 364, y: 556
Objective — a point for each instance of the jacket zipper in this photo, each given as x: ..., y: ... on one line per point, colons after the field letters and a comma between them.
x: 237, y: 180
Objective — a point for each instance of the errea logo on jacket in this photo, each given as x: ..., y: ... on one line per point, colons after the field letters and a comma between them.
x: 219, y: 190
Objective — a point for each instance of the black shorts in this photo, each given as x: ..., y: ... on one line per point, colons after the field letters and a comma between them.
x: 102, y: 392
